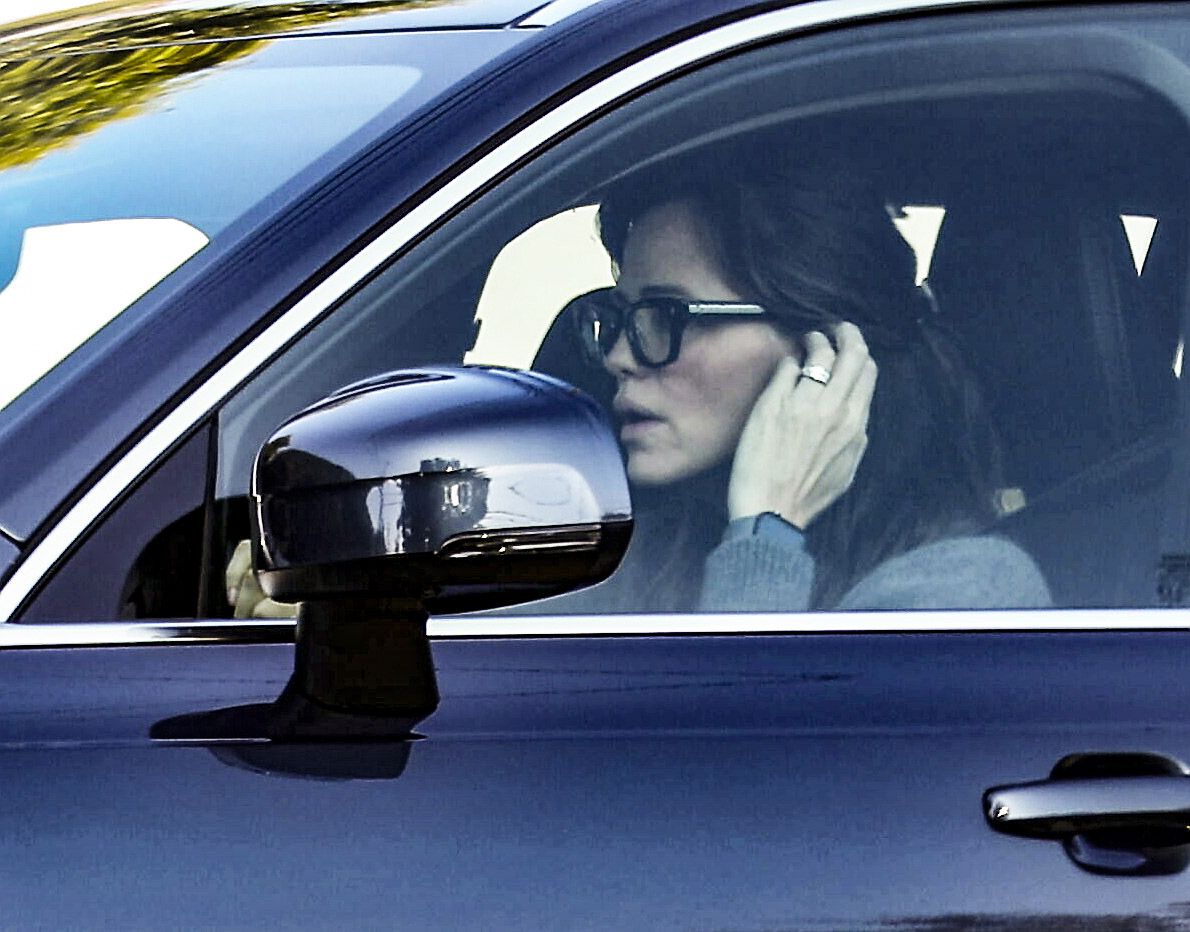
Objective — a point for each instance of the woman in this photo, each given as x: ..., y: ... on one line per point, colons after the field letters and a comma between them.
x: 774, y: 470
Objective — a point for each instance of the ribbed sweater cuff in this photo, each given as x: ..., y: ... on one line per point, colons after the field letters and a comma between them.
x: 758, y: 574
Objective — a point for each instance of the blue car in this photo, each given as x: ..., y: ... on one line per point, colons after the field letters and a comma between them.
x: 694, y: 464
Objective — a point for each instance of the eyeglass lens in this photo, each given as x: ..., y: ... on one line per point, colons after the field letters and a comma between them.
x: 601, y: 320
x: 651, y: 325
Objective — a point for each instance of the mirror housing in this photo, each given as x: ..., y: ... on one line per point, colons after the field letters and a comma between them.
x: 438, y: 489
x: 458, y: 488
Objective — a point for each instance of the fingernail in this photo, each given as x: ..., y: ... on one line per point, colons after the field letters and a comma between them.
x: 233, y: 596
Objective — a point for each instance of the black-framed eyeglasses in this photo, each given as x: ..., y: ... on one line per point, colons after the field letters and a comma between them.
x: 653, y: 325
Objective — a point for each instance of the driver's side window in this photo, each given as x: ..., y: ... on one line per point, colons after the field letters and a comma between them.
x: 953, y: 491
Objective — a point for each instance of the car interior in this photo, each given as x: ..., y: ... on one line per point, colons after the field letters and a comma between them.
x: 1072, y: 319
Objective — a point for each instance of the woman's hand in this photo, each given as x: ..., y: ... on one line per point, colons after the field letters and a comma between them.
x: 803, y: 441
x: 243, y: 590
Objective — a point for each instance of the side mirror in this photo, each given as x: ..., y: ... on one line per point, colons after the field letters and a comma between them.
x: 438, y: 489
x: 456, y: 489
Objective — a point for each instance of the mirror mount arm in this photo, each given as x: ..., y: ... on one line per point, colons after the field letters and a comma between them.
x: 365, y: 656
x: 363, y: 671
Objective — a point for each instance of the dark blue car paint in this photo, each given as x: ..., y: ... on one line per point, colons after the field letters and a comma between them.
x: 8, y: 553
x: 744, y: 782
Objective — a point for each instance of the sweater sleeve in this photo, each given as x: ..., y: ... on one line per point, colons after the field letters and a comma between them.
x: 775, y: 573
x: 765, y: 572
x: 955, y: 573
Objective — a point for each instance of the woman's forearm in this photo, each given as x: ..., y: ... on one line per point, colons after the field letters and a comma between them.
x: 761, y: 565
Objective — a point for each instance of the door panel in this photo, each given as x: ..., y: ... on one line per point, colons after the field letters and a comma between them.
x: 712, y: 782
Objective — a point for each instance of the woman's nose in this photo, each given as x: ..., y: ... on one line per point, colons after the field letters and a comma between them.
x: 620, y: 361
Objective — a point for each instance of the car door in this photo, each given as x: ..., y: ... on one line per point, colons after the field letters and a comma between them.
x: 636, y: 767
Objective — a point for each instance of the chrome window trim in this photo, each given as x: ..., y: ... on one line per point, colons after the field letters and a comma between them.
x: 116, y: 634
x: 888, y: 622
x: 815, y: 14
x: 144, y: 634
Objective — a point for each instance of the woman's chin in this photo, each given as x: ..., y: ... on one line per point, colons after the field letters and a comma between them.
x: 644, y: 470
x: 648, y: 470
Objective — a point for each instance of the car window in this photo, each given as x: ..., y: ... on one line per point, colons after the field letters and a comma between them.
x: 1000, y: 217
x: 116, y: 167
x: 1026, y: 370
x: 539, y: 271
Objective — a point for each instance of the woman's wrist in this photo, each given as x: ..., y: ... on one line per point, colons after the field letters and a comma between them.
x: 767, y: 524
x: 754, y: 511
x: 749, y: 499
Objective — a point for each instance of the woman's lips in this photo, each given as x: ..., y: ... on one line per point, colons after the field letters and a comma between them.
x: 635, y: 428
x: 636, y: 421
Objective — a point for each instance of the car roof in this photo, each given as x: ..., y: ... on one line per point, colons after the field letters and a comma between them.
x: 36, y: 28
x: 41, y: 26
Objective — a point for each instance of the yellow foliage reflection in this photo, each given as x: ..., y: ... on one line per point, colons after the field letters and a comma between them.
x: 58, y: 85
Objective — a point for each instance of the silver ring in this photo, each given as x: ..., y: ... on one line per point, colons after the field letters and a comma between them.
x: 819, y: 374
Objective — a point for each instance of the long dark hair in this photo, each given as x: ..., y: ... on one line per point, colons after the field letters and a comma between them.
x: 817, y: 247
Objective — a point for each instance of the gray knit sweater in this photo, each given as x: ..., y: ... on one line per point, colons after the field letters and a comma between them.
x: 771, y: 571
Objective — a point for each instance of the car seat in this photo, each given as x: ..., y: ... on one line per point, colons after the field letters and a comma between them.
x: 1075, y: 351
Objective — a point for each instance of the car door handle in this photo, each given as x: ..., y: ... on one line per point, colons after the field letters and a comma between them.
x: 1114, y: 813
x: 1058, y: 808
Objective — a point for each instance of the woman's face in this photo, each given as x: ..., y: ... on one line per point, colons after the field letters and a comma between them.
x: 686, y: 417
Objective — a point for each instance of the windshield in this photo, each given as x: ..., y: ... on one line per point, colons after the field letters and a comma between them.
x: 118, y: 167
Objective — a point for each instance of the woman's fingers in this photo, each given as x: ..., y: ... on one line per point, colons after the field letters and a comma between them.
x: 847, y: 396
x: 239, y: 566
x: 249, y: 596
x: 844, y: 360
x: 244, y: 594
x: 267, y: 608
x: 850, y: 359
x: 820, y: 356
x: 803, y: 441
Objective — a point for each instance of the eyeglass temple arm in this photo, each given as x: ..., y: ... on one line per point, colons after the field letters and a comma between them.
x: 724, y: 307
